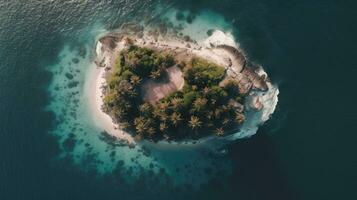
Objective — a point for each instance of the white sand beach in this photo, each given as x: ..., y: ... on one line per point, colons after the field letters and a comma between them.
x: 95, y: 99
x: 157, y: 90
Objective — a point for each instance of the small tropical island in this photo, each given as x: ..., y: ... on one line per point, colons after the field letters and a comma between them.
x: 157, y: 86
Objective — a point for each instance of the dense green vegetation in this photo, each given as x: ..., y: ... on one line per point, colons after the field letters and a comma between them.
x: 202, y: 107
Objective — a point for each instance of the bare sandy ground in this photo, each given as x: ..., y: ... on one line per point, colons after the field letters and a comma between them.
x: 154, y: 91
x: 95, y: 99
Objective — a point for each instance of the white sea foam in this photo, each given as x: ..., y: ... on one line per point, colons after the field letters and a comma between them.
x: 269, y: 99
x: 219, y: 37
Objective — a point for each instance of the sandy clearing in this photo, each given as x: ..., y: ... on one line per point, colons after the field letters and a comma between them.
x: 154, y: 91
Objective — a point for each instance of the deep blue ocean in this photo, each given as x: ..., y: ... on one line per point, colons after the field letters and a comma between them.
x: 307, y: 149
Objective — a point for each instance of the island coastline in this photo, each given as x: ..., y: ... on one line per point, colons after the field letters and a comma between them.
x: 235, y: 63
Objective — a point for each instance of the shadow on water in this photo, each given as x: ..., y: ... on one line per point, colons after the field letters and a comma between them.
x: 257, y: 173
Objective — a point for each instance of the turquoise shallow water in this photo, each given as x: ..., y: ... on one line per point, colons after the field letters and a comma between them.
x: 83, y: 139
x: 305, y: 151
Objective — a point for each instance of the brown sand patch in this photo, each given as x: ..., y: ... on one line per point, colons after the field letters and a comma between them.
x: 154, y: 91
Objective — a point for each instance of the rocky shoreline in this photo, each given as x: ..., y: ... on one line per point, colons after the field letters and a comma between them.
x: 232, y: 58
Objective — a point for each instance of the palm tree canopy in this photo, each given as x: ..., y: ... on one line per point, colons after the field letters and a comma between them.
x: 144, y: 108
x: 175, y: 118
x: 220, y: 131
x: 239, y: 118
x: 176, y: 102
x: 194, y: 122
x: 155, y: 74
x: 135, y: 80
x: 163, y: 127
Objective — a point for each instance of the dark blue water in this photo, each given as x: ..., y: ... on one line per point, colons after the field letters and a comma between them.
x: 305, y: 151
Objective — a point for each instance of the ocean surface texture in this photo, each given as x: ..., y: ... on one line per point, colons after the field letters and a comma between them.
x: 52, y: 148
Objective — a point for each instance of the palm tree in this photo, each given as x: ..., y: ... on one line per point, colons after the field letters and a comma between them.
x: 145, y: 108
x: 225, y: 121
x: 157, y: 111
x: 220, y: 131
x: 160, y: 110
x: 163, y: 127
x: 194, y: 122
x: 155, y: 74
x: 206, y: 90
x: 175, y: 118
x: 139, y: 123
x: 124, y: 87
x: 163, y: 116
x: 199, y: 104
x: 142, y: 124
x: 123, y: 104
x: 239, y: 118
x: 176, y: 102
x: 135, y: 80
x: 119, y: 113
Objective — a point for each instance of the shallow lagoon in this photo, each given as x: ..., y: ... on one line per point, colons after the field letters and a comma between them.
x: 85, y: 141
